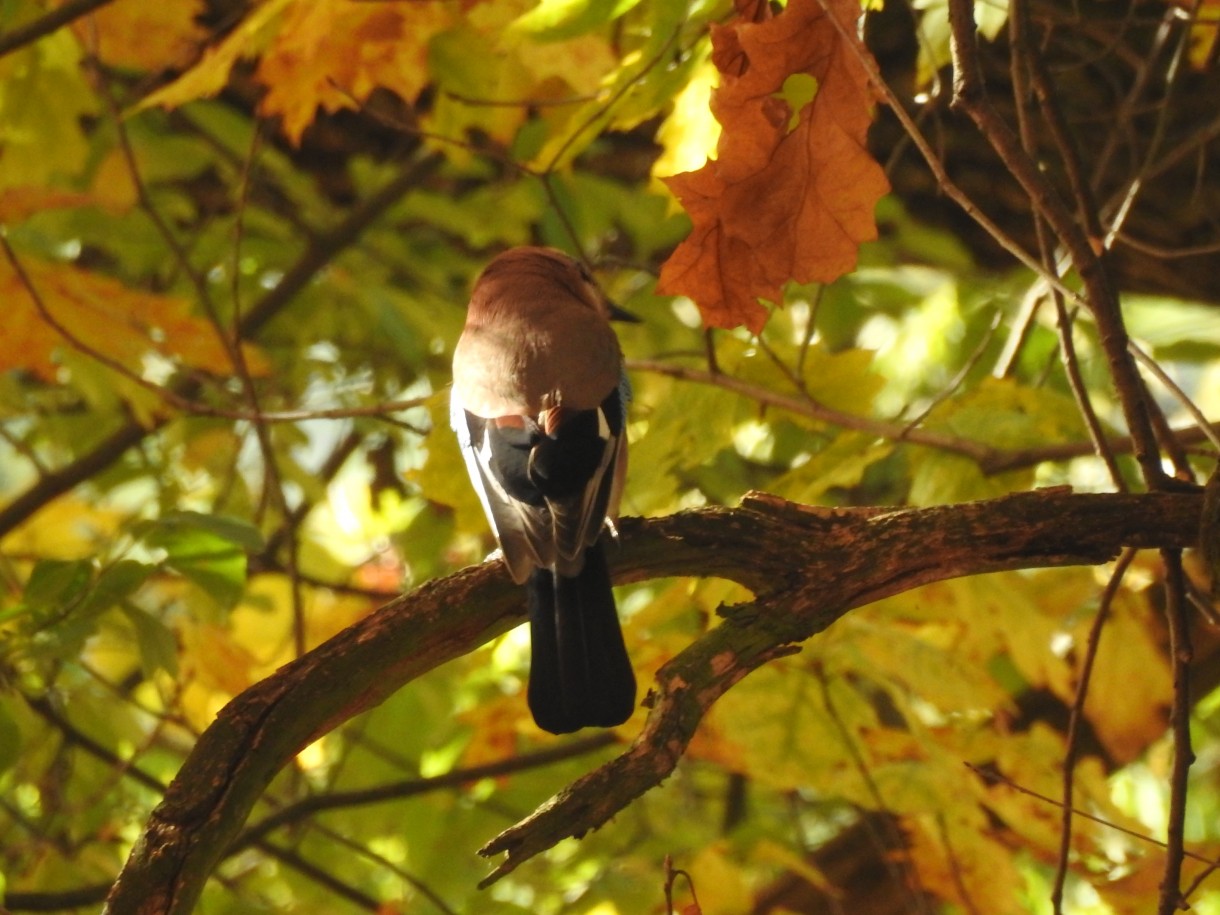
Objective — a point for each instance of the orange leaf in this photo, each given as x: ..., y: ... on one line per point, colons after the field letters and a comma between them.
x: 333, y: 53
x: 143, y: 35
x: 791, y: 193
x: 18, y: 204
x: 103, y: 315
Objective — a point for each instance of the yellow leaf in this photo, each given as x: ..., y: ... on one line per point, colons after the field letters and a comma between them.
x: 690, y: 131
x: 332, y: 54
x: 1205, y: 19
x: 209, y: 75
x: 1130, y: 663
x: 719, y: 882
x: 67, y: 528
x: 43, y: 98
x: 213, y: 659
x: 960, y: 863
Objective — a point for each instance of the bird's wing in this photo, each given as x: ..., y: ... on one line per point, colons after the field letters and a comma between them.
x: 578, y: 469
x: 522, y: 529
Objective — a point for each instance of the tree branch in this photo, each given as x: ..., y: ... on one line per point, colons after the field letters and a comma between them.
x: 45, y: 25
x: 844, y: 558
x: 969, y: 95
x: 317, y: 255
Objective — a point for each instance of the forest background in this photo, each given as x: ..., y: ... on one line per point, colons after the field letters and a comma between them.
x: 929, y: 344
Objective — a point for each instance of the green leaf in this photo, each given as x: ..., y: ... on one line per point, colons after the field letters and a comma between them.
x: 116, y: 584
x: 209, y: 550
x: 56, y: 584
x: 559, y: 19
x: 158, y: 646
x: 172, y: 525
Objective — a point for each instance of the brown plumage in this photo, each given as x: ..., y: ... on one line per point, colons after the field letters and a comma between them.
x: 538, y: 404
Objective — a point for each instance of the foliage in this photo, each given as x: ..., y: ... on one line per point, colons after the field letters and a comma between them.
x: 237, y: 243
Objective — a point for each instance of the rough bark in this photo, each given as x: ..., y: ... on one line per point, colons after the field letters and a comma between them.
x: 806, y: 567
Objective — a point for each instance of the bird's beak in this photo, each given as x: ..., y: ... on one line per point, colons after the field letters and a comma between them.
x: 618, y: 313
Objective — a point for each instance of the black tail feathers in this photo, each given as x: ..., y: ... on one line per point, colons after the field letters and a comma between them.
x: 580, y: 675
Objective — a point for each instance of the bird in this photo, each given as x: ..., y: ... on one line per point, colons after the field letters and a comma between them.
x: 539, y: 407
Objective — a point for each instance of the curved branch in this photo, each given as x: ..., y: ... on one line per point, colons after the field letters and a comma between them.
x: 807, y: 567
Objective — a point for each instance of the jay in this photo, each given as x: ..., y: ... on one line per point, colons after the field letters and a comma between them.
x: 539, y: 406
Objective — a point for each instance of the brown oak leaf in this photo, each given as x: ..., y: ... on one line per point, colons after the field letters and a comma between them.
x: 790, y: 194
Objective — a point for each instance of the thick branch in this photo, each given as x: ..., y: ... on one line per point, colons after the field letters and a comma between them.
x: 807, y: 566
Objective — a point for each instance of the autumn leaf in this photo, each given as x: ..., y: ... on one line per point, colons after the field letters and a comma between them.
x: 102, y: 314
x: 327, y: 54
x: 790, y: 195
x: 18, y: 204
x: 333, y: 54
x: 143, y: 35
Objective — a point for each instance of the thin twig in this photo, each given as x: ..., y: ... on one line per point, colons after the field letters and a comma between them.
x: 1072, y: 739
x: 1172, y: 386
x: 413, y: 787
x: 994, y: 777
x: 1181, y: 654
x: 943, y: 181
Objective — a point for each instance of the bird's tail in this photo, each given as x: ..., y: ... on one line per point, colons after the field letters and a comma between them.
x: 580, y: 674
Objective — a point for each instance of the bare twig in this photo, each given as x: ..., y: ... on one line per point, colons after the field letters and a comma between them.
x: 1075, y: 720
x: 1102, y: 300
x: 1181, y: 654
x: 994, y: 777
x: 943, y: 181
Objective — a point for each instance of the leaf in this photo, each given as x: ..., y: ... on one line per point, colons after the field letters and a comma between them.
x: 779, y: 202
x: 56, y: 584
x: 115, y: 584
x: 158, y: 647
x: 234, y: 530
x: 144, y: 36
x: 1131, y: 662
x: 43, y: 99
x: 103, y: 314
x: 332, y: 54
x: 206, y: 550
x: 19, y: 203
x: 211, y: 73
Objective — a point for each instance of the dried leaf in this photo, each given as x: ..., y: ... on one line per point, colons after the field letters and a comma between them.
x: 791, y: 193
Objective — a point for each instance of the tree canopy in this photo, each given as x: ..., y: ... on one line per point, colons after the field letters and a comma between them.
x: 918, y: 569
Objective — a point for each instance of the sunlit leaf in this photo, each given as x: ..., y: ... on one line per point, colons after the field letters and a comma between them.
x: 102, y: 315
x: 778, y: 203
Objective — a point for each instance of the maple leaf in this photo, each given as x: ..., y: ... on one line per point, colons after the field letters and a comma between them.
x: 790, y: 194
x: 333, y: 53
